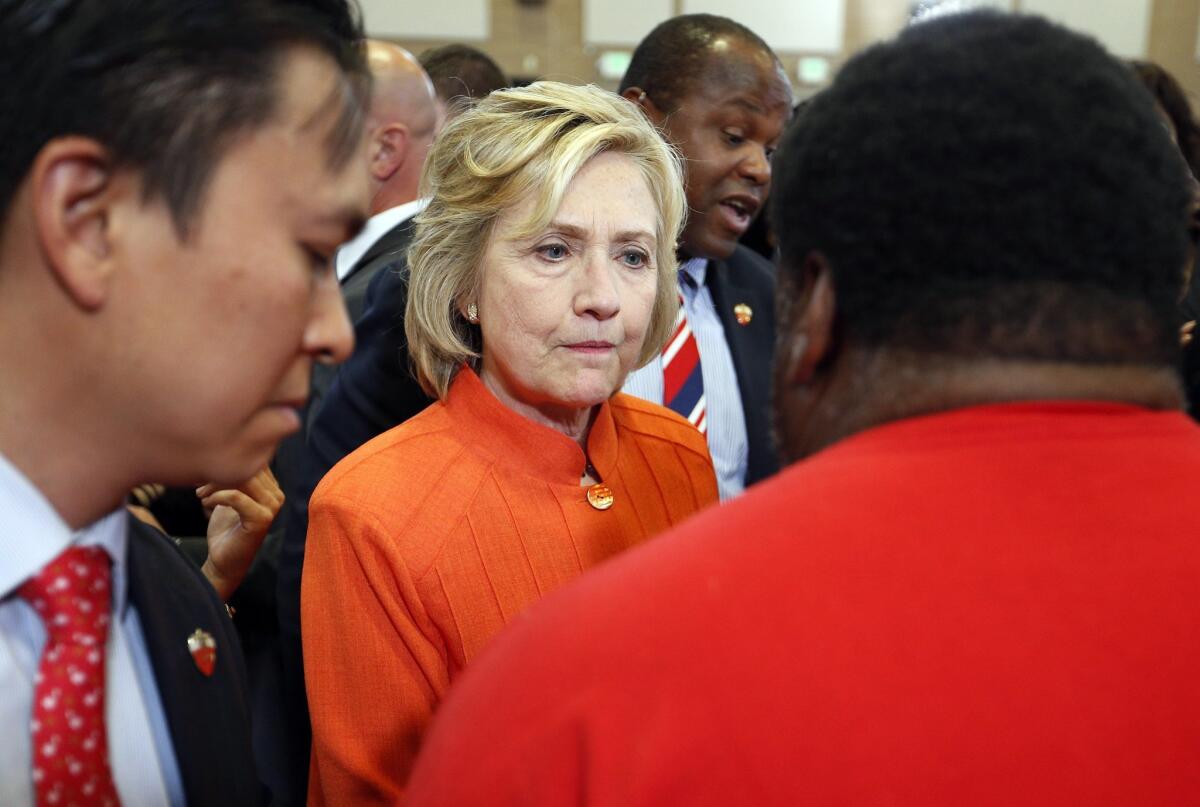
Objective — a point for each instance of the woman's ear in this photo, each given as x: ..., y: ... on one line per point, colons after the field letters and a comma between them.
x: 72, y: 190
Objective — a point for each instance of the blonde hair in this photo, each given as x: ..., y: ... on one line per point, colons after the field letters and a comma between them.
x: 512, y: 144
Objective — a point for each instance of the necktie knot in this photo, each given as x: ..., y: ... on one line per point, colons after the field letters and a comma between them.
x: 72, y: 595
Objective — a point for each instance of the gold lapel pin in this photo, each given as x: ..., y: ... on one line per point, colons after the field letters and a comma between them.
x: 203, y: 648
x: 743, y: 313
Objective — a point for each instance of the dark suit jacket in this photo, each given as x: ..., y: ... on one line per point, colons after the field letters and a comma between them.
x: 386, y: 253
x: 208, y: 716
x: 367, y: 395
x: 746, y: 277
x: 390, y: 248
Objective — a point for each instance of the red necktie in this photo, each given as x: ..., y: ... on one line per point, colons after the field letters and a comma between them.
x: 683, y: 384
x: 70, y: 742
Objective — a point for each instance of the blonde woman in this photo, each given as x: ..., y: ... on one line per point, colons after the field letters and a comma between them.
x: 542, y: 273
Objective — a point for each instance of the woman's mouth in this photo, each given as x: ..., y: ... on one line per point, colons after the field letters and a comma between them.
x: 592, y: 346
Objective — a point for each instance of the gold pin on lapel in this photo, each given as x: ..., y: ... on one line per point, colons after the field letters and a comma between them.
x: 203, y: 648
x: 743, y: 313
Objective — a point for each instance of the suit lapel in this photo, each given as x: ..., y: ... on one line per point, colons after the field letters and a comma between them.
x: 394, y: 240
x: 751, y: 346
x: 208, y: 716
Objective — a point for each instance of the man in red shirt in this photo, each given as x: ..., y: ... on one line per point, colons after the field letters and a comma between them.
x: 977, y: 582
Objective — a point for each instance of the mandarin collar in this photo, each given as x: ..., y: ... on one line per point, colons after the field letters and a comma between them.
x: 530, y: 448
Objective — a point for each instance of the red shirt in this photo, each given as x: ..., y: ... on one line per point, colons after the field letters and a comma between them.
x: 996, y: 605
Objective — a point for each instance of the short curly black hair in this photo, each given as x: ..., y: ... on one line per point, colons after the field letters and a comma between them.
x: 990, y: 185
x: 675, y: 53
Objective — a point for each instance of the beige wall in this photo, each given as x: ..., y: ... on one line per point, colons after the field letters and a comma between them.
x: 545, y: 41
x: 1173, y: 42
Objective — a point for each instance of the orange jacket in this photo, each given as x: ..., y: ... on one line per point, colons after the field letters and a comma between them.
x: 426, y: 541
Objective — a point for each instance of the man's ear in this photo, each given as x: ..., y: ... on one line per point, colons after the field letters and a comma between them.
x: 389, y: 149
x: 644, y: 102
x: 808, y: 340
x: 72, y: 191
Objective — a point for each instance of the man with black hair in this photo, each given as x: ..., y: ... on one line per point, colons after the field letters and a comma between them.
x: 173, y: 182
x: 976, y: 584
x: 719, y: 94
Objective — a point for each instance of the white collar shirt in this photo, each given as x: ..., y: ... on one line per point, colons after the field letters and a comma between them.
x: 728, y: 440
x: 32, y: 534
x: 377, y: 226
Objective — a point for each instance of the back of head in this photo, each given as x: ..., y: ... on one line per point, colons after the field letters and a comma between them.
x: 990, y: 186
x: 676, y: 53
x: 163, y: 84
x: 404, y: 120
x: 513, y: 146
x: 402, y: 90
x: 461, y: 74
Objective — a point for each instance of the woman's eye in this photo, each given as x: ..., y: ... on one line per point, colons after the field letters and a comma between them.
x: 635, y: 258
x: 734, y: 139
x: 554, y: 252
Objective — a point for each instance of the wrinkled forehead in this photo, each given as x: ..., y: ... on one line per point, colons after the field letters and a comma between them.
x: 543, y: 202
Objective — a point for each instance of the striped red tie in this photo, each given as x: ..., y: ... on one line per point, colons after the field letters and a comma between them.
x: 683, y: 385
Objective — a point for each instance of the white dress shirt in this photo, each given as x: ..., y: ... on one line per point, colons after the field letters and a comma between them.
x: 728, y: 441
x: 376, y: 227
x: 139, y: 743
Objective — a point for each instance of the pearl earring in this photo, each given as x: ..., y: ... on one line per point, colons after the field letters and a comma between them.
x: 472, y: 313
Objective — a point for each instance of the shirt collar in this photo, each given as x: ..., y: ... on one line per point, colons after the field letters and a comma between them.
x: 376, y: 227
x: 32, y: 534
x: 696, y: 269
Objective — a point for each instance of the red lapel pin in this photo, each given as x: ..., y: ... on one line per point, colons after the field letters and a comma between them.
x: 203, y: 648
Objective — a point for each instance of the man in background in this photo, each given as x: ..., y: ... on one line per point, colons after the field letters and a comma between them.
x: 404, y: 120
x: 173, y: 183
x: 719, y: 94
x: 976, y: 584
x: 461, y: 75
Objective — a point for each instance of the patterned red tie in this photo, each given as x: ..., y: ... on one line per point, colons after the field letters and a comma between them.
x: 70, y: 743
x: 683, y: 384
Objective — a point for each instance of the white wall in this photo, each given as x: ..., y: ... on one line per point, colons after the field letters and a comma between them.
x: 460, y: 20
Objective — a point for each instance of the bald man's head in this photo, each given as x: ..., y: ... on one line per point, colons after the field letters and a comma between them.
x: 405, y: 117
